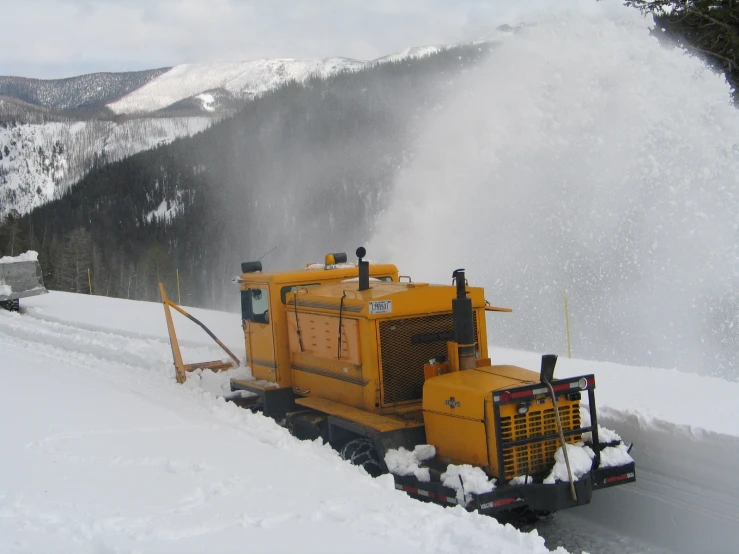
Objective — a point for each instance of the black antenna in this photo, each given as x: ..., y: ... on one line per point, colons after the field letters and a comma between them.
x: 260, y: 259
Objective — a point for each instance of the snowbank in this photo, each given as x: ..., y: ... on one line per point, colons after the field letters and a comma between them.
x: 29, y: 256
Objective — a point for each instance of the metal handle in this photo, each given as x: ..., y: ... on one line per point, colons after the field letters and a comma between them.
x: 562, y: 438
x: 298, y: 391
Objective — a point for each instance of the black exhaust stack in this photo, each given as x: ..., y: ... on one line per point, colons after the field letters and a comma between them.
x: 548, y: 361
x: 363, y: 269
x: 464, y: 326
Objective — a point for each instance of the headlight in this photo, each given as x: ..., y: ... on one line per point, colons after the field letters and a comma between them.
x: 523, y: 408
x: 583, y: 382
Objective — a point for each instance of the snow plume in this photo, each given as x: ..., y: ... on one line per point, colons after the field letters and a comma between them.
x: 585, y: 158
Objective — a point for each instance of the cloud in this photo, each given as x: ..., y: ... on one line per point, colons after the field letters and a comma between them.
x: 57, y: 38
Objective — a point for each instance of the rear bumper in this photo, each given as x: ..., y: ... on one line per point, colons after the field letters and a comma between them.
x: 536, y: 497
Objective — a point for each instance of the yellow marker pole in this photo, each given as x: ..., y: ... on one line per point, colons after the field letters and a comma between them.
x: 178, y: 287
x: 567, y: 323
x: 89, y: 279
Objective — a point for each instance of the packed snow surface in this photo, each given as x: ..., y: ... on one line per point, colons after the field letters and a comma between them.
x: 28, y: 256
x: 104, y: 452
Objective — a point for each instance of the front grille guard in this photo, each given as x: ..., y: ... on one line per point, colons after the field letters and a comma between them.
x: 406, y: 344
x: 560, y: 386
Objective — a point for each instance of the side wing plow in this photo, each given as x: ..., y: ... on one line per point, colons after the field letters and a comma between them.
x: 181, y: 368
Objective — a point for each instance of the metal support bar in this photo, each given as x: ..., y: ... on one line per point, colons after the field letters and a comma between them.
x: 180, y: 368
x: 176, y: 354
x: 594, y: 427
x: 562, y: 437
x: 498, y: 434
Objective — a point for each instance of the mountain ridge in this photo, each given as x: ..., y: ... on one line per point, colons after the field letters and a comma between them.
x: 137, y: 93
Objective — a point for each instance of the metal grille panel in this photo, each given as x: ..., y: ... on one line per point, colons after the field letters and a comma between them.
x: 403, y: 357
x: 537, y: 457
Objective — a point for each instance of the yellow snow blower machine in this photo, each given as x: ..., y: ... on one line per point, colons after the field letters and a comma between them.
x: 383, y: 368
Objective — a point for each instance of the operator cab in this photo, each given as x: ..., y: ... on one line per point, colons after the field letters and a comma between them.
x: 264, y: 306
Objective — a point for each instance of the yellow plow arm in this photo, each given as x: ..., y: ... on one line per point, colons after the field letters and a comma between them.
x: 181, y: 368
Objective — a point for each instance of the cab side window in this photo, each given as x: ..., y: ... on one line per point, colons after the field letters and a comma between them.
x: 255, y: 305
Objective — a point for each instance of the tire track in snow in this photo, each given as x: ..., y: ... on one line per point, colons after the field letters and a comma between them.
x: 144, y: 365
x: 151, y: 354
x: 136, y: 362
x: 148, y: 372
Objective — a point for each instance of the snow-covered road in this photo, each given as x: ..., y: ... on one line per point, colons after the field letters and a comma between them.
x: 103, y: 452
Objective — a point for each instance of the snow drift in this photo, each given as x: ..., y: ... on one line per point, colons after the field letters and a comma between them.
x: 104, y: 452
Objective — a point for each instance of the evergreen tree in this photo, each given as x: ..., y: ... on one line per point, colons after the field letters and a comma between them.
x: 710, y: 27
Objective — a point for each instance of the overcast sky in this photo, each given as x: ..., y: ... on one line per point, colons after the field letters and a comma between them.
x: 61, y: 38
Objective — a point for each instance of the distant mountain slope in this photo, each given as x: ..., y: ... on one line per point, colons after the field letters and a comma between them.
x: 39, y: 162
x: 189, y: 89
x: 305, y: 168
x: 53, y: 131
x: 242, y: 80
x: 94, y: 90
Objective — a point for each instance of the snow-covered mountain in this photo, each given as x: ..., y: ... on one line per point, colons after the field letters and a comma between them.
x: 212, y: 86
x: 85, y: 92
x: 53, y: 131
x: 233, y: 81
